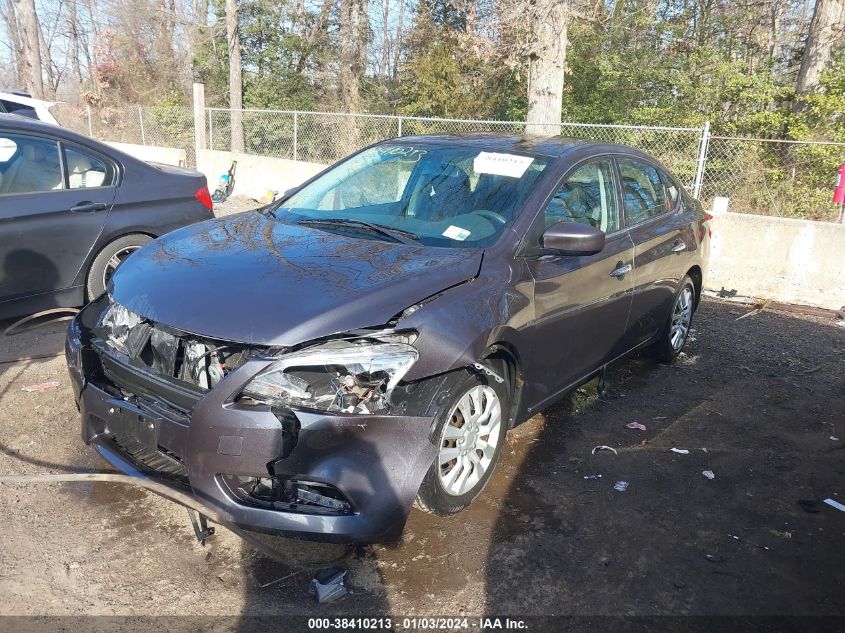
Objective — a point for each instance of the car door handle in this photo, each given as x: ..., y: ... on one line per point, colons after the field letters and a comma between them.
x: 88, y: 207
x: 677, y: 247
x: 621, y: 270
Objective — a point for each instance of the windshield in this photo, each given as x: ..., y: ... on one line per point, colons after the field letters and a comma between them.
x: 435, y: 195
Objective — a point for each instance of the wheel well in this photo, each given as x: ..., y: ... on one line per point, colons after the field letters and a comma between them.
x: 506, y: 360
x: 695, y: 274
x: 86, y: 268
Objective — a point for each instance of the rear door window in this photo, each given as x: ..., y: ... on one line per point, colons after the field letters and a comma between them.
x: 32, y: 166
x: 86, y: 170
x: 20, y: 109
x: 643, y: 190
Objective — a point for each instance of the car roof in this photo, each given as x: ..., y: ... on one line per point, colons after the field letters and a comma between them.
x: 27, y: 124
x: 24, y: 99
x: 554, y: 146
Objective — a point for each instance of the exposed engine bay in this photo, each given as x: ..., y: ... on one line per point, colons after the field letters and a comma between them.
x: 200, y: 362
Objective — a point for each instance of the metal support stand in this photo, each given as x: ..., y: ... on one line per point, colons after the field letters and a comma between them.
x: 200, y: 525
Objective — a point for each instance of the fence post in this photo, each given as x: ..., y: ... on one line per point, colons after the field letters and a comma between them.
x: 141, y: 119
x: 210, y: 130
x: 702, y: 159
x: 90, y: 126
x: 399, y: 126
x: 199, y: 119
x: 295, y: 134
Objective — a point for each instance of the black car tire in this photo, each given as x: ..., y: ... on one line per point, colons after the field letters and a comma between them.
x: 663, y: 349
x: 94, y: 284
x: 433, y: 496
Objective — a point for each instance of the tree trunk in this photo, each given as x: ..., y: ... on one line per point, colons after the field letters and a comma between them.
x: 826, y: 30
x: 18, y: 53
x: 353, y: 33
x: 397, y: 44
x: 235, y: 79
x: 547, y: 64
x: 73, y: 35
x: 30, y: 38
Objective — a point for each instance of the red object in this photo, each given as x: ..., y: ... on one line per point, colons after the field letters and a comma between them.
x: 839, y: 190
x: 204, y: 197
x: 703, y: 224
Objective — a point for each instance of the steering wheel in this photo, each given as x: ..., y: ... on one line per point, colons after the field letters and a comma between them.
x: 491, y: 215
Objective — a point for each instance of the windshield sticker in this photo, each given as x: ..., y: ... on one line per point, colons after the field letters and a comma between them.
x: 456, y: 233
x: 405, y: 151
x: 497, y: 164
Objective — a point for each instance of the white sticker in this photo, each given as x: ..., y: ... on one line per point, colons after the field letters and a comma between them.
x: 497, y: 164
x: 456, y: 233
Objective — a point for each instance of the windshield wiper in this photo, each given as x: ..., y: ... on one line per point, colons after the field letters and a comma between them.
x: 399, y: 235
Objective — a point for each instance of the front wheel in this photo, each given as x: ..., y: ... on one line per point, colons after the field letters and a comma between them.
x: 470, y: 433
x: 676, y: 329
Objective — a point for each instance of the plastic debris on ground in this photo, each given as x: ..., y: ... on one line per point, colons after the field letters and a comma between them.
x: 42, y: 386
x: 592, y: 477
x: 621, y: 486
x: 329, y: 585
x: 680, y: 451
x: 636, y: 425
x: 604, y: 448
x: 709, y: 474
x: 834, y: 438
x: 835, y: 504
x: 713, y: 558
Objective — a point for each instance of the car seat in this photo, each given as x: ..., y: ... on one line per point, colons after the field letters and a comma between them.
x: 32, y: 171
x: 81, y: 172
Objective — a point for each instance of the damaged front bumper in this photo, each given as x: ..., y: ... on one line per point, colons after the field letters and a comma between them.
x: 334, y: 476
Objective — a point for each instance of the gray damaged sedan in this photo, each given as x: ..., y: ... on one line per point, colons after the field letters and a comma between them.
x: 314, y: 367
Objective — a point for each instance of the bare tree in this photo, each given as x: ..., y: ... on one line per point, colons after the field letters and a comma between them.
x: 353, y: 47
x: 21, y: 63
x: 73, y: 39
x: 826, y: 31
x: 30, y: 40
x: 235, y: 77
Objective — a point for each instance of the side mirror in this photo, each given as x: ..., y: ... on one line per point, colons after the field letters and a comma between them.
x: 571, y: 238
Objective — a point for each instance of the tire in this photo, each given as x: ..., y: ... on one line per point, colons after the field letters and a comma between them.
x: 676, y: 329
x: 104, y: 265
x: 437, y: 495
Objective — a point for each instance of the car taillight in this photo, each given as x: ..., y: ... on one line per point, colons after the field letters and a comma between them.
x: 702, y: 224
x: 204, y: 197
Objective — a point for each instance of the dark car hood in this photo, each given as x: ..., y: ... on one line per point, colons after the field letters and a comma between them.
x: 252, y: 279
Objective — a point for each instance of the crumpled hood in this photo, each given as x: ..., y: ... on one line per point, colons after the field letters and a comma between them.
x: 251, y: 279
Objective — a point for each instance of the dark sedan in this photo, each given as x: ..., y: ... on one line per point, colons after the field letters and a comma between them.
x: 72, y: 209
x: 315, y: 367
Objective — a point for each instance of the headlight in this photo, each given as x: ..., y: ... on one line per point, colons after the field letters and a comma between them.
x: 343, y: 376
x: 114, y: 325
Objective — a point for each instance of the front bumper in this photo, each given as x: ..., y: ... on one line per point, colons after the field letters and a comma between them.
x: 377, y: 462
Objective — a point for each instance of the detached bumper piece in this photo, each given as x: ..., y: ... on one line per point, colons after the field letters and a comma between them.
x: 342, y: 477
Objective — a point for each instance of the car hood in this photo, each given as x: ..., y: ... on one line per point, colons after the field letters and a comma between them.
x: 252, y: 279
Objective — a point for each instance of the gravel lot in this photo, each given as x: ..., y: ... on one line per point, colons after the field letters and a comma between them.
x: 758, y: 401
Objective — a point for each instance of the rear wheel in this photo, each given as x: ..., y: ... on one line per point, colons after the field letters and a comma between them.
x: 470, y: 433
x: 676, y: 330
x: 109, y: 259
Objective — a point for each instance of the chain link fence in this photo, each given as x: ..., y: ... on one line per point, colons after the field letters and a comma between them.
x: 768, y: 177
x: 785, y: 178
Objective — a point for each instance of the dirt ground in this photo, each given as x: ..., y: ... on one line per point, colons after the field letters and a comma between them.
x: 758, y: 401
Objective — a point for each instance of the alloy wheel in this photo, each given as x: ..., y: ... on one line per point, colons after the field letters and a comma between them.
x: 469, y: 439
x: 115, y: 261
x: 681, y: 317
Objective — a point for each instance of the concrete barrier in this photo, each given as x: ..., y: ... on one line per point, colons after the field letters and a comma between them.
x: 780, y: 259
x: 255, y: 175
x: 152, y: 153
